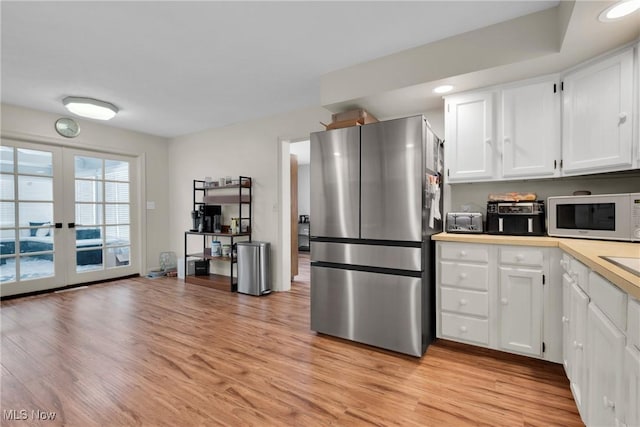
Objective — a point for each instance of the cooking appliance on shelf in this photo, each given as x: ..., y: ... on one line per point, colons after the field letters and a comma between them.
x: 464, y: 222
x: 516, y: 218
x: 603, y: 216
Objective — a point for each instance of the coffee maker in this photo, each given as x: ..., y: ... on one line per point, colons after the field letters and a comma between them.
x: 211, y: 218
x: 197, y: 219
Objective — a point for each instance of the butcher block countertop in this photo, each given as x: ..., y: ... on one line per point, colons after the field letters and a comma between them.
x: 587, y: 252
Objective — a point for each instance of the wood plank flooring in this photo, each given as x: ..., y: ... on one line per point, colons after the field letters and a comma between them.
x: 162, y: 352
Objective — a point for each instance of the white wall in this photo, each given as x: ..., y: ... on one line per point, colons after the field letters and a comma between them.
x: 250, y: 148
x: 304, y: 189
x: 38, y: 126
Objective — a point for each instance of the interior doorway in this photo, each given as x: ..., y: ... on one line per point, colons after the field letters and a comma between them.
x: 300, y: 201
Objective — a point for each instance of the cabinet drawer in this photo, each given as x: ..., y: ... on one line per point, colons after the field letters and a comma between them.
x: 464, y: 275
x: 610, y: 299
x: 464, y: 302
x: 465, y: 328
x: 461, y: 252
x: 633, y: 323
x: 521, y: 256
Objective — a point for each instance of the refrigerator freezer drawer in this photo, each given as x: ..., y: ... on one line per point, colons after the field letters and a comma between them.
x: 377, y: 309
x: 398, y: 257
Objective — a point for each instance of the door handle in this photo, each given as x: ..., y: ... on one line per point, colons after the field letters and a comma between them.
x: 58, y: 225
x: 71, y: 225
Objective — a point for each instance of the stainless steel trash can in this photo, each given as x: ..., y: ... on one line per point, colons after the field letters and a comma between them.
x: 254, y: 268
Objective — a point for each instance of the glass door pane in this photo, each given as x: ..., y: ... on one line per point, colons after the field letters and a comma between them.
x: 103, y: 202
x: 30, y: 192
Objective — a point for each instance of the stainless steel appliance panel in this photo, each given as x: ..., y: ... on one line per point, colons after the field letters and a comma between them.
x: 335, y: 183
x: 376, y: 309
x: 392, y: 179
x: 401, y: 258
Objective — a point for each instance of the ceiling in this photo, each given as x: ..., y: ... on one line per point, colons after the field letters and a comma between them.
x: 175, y: 68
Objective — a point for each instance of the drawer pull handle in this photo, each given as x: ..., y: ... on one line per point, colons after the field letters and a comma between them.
x: 463, y: 275
x: 463, y: 329
x: 463, y: 301
x: 504, y: 301
x: 622, y: 117
x: 519, y: 257
x: 565, y: 319
x: 576, y: 344
x: 463, y: 253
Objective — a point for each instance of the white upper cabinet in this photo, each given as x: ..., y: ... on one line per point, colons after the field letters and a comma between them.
x: 543, y: 128
x: 470, y: 137
x: 529, y: 128
x: 598, y: 116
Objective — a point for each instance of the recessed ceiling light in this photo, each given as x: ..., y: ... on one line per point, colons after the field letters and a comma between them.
x: 443, y: 89
x: 619, y: 10
x: 90, y: 108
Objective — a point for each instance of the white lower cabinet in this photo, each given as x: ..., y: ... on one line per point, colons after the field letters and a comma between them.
x: 579, y: 302
x: 519, y: 298
x: 605, y: 358
x: 567, y: 340
x: 631, y: 387
x: 520, y: 313
x: 494, y: 296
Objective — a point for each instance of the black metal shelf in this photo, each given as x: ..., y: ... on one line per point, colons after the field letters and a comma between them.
x: 243, y: 197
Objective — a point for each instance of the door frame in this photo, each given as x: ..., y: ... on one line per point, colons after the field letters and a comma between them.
x: 137, y: 157
x: 283, y: 272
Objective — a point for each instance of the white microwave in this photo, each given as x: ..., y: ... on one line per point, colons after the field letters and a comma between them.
x: 604, y: 216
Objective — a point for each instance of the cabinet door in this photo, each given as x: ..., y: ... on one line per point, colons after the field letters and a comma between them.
x: 520, y: 319
x: 605, y: 356
x: 598, y: 116
x: 631, y: 387
x: 470, y: 138
x: 567, y: 339
x: 577, y: 332
x: 530, y: 129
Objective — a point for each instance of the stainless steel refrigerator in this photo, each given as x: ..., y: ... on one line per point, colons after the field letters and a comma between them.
x: 374, y: 204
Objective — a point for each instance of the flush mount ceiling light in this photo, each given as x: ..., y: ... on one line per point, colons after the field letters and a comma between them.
x: 90, y: 108
x: 619, y: 10
x: 443, y: 89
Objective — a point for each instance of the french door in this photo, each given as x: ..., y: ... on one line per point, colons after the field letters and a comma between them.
x: 66, y: 217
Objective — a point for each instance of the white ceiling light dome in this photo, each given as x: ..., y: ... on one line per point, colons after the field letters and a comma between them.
x: 443, y: 89
x: 619, y: 10
x: 90, y: 108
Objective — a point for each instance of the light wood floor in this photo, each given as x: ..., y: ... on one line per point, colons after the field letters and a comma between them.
x: 161, y: 352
